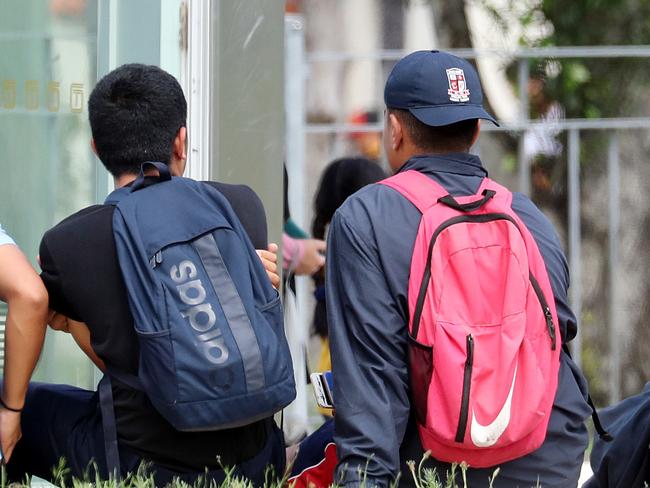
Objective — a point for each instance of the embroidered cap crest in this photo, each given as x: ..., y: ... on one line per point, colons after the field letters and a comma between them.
x: 458, y: 91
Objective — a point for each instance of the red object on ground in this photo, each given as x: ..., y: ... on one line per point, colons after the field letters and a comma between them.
x: 320, y: 475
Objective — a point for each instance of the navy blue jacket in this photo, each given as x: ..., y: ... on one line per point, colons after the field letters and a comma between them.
x: 369, y: 252
x: 625, y: 462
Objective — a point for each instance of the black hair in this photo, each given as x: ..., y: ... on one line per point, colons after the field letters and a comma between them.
x: 456, y: 137
x: 135, y: 112
x: 340, y: 179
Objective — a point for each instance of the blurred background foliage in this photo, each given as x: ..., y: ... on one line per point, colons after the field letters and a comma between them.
x: 590, y: 89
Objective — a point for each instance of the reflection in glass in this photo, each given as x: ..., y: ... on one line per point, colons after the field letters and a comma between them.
x: 47, y: 169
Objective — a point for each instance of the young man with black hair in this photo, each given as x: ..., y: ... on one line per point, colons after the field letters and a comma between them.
x: 137, y: 114
x: 431, y: 123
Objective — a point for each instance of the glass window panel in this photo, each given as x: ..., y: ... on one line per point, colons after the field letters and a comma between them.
x: 48, y: 67
x: 47, y: 169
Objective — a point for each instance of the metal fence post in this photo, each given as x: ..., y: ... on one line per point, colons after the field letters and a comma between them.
x: 297, y: 319
x: 575, y: 253
x: 524, y: 116
x: 615, y: 325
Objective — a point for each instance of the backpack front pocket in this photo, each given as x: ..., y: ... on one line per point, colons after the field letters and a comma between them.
x: 159, y: 369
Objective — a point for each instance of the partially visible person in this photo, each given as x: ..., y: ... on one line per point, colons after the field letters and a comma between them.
x: 541, y: 141
x: 269, y: 258
x: 542, y: 145
x: 26, y: 297
x: 300, y: 254
x: 625, y: 462
x: 339, y: 180
x: 366, y: 143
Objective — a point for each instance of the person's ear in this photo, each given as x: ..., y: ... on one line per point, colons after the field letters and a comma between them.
x: 179, y: 153
x: 477, y: 131
x: 396, y: 136
x: 180, y: 144
x: 93, y: 146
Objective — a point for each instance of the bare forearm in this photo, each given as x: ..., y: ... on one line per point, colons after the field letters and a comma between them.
x: 25, y: 332
x: 26, y: 297
x: 81, y: 335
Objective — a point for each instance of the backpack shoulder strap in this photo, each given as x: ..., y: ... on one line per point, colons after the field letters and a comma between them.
x: 419, y: 189
x: 602, y: 432
x: 109, y: 427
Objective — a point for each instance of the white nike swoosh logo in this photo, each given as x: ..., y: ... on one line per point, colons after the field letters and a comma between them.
x: 488, y: 435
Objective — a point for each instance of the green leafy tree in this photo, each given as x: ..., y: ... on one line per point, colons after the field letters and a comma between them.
x: 595, y: 88
x: 598, y: 87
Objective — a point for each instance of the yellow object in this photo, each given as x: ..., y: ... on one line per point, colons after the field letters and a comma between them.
x: 325, y: 364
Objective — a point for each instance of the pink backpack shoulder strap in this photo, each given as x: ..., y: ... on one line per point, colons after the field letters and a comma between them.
x: 419, y: 189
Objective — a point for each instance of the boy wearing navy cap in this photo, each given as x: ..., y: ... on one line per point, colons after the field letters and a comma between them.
x: 433, y: 106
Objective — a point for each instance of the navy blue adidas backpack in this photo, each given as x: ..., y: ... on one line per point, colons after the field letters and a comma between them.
x: 213, y: 353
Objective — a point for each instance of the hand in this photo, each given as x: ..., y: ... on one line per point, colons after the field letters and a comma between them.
x: 313, y: 257
x: 270, y: 261
x: 58, y: 321
x: 10, y: 432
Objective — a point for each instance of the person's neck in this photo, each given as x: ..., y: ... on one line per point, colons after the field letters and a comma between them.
x: 124, y: 180
x: 415, y: 151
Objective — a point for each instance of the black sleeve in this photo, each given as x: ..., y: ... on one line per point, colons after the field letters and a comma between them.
x: 250, y: 210
x: 53, y: 282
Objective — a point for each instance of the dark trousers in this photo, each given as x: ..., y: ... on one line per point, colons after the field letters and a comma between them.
x: 61, y: 421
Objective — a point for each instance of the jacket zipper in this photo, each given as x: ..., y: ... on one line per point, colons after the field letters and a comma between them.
x: 546, y: 310
x: 467, y: 381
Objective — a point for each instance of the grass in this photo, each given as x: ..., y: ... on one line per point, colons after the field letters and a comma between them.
x: 429, y: 478
x: 422, y: 477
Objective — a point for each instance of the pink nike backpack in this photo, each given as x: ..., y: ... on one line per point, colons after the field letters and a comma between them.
x: 484, y: 339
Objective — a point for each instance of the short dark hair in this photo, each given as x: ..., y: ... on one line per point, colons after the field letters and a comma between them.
x: 135, y: 112
x: 444, y: 138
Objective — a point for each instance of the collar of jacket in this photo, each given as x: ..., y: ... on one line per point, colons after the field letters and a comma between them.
x: 457, y: 163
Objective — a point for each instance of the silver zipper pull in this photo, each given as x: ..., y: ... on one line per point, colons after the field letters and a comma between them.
x: 156, y: 259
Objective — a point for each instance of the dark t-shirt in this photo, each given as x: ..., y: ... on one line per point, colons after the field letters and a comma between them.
x: 83, y: 278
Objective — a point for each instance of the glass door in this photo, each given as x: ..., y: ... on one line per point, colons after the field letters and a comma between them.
x: 47, y: 170
x: 51, y: 54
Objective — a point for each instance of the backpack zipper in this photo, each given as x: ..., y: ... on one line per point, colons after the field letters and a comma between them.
x: 548, y: 316
x: 467, y: 382
x: 156, y: 259
x: 426, y: 277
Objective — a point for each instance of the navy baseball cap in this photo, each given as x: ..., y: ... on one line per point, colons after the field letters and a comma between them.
x: 438, y: 88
